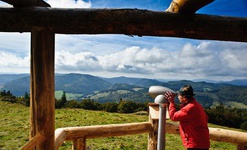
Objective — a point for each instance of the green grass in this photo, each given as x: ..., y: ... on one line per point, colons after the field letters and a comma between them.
x: 14, y: 129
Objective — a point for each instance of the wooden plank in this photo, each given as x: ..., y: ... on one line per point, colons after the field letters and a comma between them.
x: 42, y: 99
x: 25, y: 3
x: 154, y: 112
x: 124, y: 21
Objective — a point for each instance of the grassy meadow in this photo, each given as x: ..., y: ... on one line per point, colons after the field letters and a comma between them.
x: 14, y: 129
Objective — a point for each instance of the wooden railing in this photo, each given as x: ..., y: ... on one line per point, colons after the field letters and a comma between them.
x: 78, y: 135
x: 32, y: 143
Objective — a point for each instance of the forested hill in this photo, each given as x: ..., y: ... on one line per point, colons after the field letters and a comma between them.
x: 113, y: 89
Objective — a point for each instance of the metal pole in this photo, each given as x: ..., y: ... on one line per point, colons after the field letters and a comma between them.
x: 157, y: 92
x: 160, y: 99
x: 162, y: 127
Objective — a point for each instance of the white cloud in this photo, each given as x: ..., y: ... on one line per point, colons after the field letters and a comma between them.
x: 235, y: 59
x: 10, y: 63
x: 192, y: 61
x: 69, y: 4
x: 99, y: 53
x: 68, y: 62
x: 16, y: 43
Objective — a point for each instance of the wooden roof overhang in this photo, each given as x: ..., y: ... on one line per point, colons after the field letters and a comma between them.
x: 124, y: 21
x: 43, y: 22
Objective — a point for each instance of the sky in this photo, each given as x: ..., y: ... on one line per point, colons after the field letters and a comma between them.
x: 143, y: 57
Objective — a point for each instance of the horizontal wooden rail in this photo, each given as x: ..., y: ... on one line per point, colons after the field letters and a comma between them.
x: 216, y: 134
x: 229, y: 136
x: 60, y: 137
x: 97, y: 131
x: 36, y: 140
x: 124, y: 21
x: 72, y: 133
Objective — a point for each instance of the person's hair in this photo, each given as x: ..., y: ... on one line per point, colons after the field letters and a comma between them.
x: 187, y: 91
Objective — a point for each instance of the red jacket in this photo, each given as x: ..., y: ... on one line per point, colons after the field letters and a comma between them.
x: 193, y: 124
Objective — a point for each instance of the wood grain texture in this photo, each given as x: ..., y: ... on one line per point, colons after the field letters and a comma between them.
x: 124, y: 21
x: 42, y: 94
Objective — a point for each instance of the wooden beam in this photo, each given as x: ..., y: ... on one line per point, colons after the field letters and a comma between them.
x: 229, y: 136
x: 26, y: 3
x: 124, y: 21
x: 60, y: 137
x: 187, y: 6
x: 42, y: 108
x: 109, y: 130
x: 36, y: 140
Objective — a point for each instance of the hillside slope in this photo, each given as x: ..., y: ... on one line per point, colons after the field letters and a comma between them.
x: 113, y: 89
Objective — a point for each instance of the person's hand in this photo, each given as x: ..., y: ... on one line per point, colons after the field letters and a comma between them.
x: 169, y: 96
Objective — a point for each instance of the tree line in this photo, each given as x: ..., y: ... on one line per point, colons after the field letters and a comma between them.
x: 220, y: 115
x: 89, y: 104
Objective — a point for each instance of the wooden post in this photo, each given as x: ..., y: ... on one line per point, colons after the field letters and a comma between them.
x: 79, y: 144
x: 153, y: 136
x: 42, y: 100
x: 154, y: 120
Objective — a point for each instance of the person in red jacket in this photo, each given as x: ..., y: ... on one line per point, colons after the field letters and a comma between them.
x: 193, y: 120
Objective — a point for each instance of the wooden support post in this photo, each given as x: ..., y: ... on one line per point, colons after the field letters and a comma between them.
x: 154, y: 120
x: 79, y: 144
x: 153, y: 135
x: 42, y: 99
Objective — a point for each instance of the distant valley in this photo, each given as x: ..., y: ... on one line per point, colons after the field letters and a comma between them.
x: 82, y: 86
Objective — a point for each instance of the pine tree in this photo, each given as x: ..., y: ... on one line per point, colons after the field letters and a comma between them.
x: 63, y: 99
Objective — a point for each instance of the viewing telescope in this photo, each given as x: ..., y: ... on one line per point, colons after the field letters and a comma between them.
x: 154, y: 91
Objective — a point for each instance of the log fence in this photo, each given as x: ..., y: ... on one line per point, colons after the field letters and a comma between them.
x: 79, y: 135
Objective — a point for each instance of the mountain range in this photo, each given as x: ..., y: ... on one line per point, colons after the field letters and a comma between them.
x: 81, y: 86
